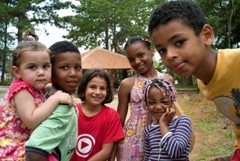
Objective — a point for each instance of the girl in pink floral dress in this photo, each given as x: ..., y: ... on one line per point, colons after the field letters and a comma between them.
x: 31, y: 69
x: 131, y: 94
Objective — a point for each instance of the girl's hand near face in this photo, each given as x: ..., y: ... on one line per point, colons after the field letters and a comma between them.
x: 167, y: 116
x: 166, y: 119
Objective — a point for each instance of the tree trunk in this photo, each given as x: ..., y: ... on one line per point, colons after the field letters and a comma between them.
x: 190, y: 81
x: 106, y: 38
x: 4, y: 52
x: 114, y: 43
x: 229, y: 25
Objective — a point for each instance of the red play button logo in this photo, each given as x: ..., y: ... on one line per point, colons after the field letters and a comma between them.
x: 85, y: 143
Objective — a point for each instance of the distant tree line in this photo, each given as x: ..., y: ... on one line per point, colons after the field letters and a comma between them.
x: 106, y: 23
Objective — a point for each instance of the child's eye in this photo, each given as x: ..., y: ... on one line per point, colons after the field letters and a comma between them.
x: 162, y: 51
x: 103, y: 88
x: 180, y: 43
x: 78, y: 68
x: 93, y: 87
x: 140, y: 55
x: 166, y: 102
x: 151, y: 102
x: 46, y: 66
x: 64, y: 67
x: 32, y: 67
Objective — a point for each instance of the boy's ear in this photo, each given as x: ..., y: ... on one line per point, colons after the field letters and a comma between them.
x: 207, y: 34
x: 15, y: 72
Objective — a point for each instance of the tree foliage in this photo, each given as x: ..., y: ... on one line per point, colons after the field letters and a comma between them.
x: 108, y: 23
x: 224, y: 16
x: 22, y: 15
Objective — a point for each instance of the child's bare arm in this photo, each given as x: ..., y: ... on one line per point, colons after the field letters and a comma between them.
x: 35, y: 157
x: 32, y: 116
x: 123, y: 98
x: 114, y: 152
x: 103, y: 154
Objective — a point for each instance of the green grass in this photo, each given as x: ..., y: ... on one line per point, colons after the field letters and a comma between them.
x: 213, y: 132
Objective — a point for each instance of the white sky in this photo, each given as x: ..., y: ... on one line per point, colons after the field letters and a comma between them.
x: 54, y: 34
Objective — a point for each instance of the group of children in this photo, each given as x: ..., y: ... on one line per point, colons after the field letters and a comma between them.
x: 45, y: 125
x: 52, y: 125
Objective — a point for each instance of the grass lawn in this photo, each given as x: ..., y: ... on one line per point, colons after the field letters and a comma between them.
x: 213, y: 132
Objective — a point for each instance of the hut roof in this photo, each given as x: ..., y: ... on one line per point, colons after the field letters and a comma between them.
x: 104, y: 59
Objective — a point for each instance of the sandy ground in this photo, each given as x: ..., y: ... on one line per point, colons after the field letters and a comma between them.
x: 114, y: 104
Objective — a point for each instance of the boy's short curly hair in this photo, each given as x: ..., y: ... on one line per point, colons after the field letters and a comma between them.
x: 185, y: 10
x: 62, y: 47
x: 88, y: 76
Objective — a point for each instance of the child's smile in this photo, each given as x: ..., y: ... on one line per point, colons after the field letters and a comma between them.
x: 158, y: 102
x: 96, y: 91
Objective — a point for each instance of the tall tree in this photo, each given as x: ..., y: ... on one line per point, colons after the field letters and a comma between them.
x: 23, y: 15
x: 224, y: 16
x: 6, y: 38
x: 108, y: 23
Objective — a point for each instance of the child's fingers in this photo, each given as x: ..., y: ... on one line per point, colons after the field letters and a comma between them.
x: 168, y: 111
x: 71, y: 101
x: 172, y: 113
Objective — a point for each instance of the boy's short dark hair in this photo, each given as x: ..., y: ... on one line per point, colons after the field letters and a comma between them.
x: 185, y: 10
x: 88, y: 76
x: 62, y: 47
